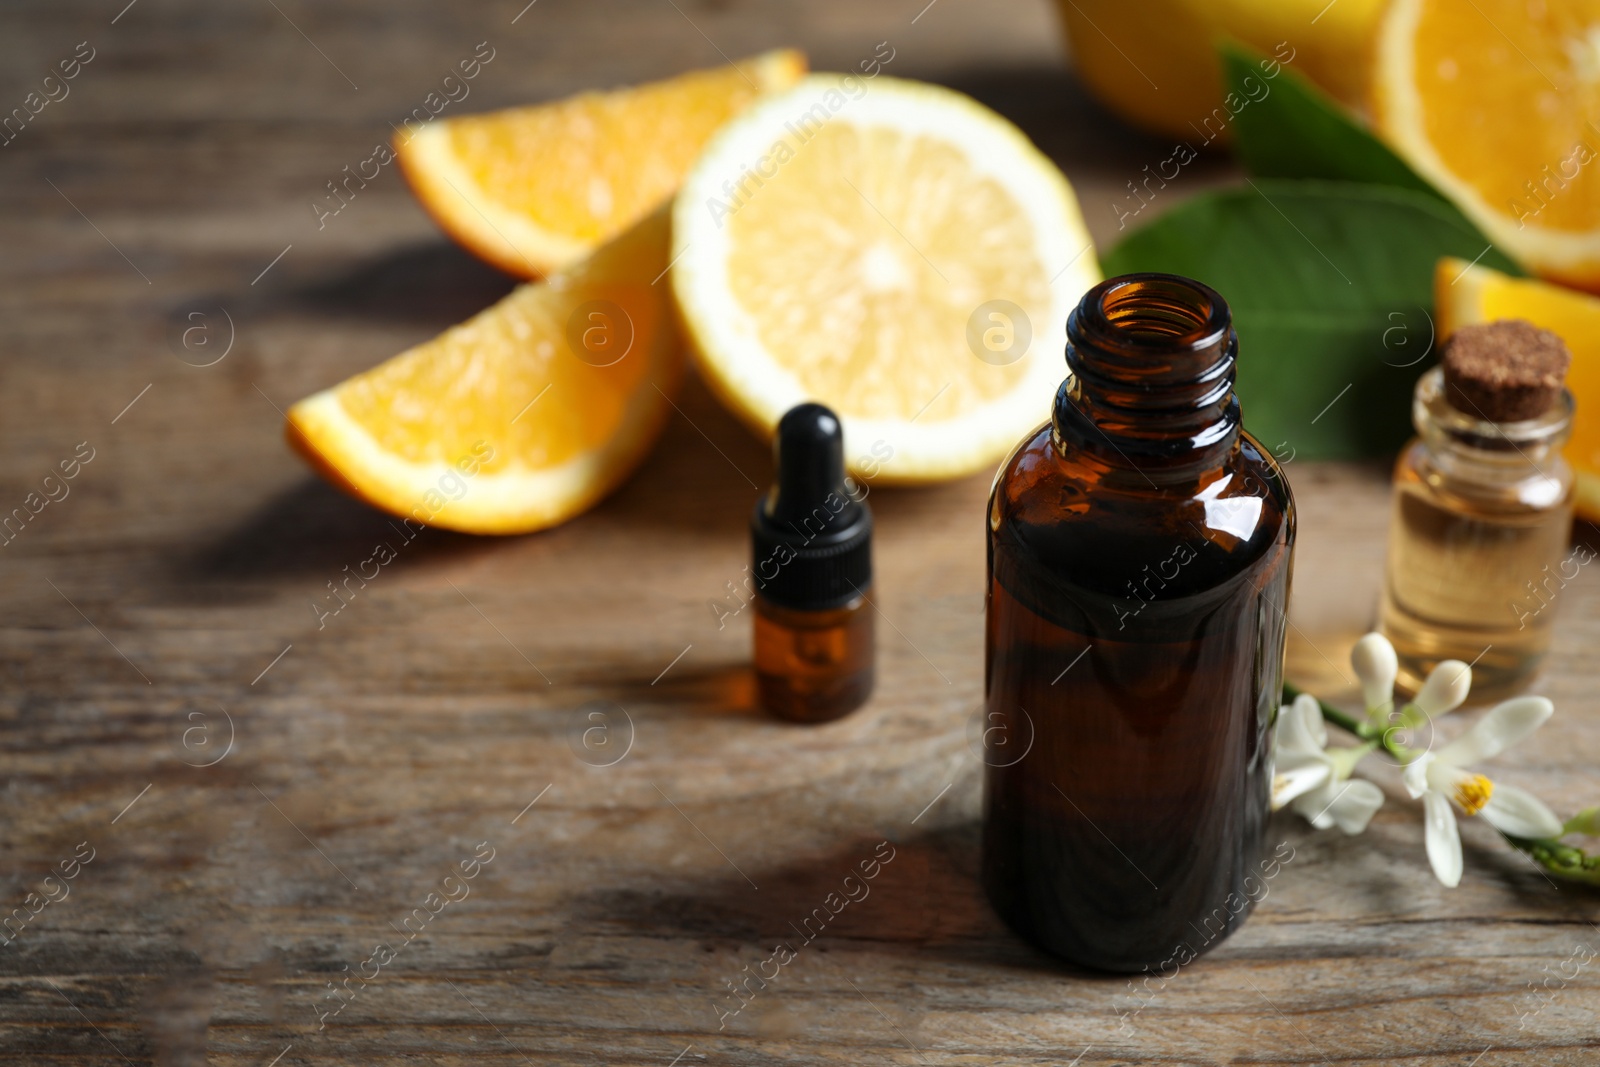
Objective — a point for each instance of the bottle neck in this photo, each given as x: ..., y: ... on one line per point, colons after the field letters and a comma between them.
x: 1149, y: 387
x: 1473, y: 451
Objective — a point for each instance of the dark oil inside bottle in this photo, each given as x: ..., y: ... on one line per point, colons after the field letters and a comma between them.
x: 1139, y: 558
x: 814, y: 666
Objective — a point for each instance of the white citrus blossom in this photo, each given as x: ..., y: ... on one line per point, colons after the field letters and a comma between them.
x: 1313, y: 779
x: 1440, y: 777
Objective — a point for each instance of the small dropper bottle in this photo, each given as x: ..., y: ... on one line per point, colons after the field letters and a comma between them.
x: 1482, y: 510
x: 811, y: 556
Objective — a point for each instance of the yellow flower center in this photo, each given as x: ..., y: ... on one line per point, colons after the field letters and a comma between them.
x: 1473, y: 792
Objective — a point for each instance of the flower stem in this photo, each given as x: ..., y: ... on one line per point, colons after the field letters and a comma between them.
x: 1562, y: 861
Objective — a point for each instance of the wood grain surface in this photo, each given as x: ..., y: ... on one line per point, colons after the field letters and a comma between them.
x: 266, y: 801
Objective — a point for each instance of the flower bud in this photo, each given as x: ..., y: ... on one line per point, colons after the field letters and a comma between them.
x: 1376, y: 665
x: 1445, y: 688
x: 1586, y: 821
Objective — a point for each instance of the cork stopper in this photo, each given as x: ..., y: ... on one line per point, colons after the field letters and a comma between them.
x: 1504, y: 371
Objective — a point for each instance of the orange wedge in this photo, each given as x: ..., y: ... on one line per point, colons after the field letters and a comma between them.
x: 1465, y: 294
x: 532, y: 189
x: 524, y: 415
x: 1496, y: 102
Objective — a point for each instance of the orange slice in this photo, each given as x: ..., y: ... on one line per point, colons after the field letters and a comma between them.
x: 1465, y: 294
x: 532, y: 189
x: 1496, y: 102
x: 524, y: 415
x: 892, y: 249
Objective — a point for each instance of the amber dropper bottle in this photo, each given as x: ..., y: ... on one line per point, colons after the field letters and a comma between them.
x: 1482, y: 510
x: 1139, y: 558
x: 811, y: 555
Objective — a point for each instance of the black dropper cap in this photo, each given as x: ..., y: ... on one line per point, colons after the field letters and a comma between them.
x: 811, y: 540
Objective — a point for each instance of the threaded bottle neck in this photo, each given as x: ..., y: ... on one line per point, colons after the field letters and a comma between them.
x: 1150, y: 368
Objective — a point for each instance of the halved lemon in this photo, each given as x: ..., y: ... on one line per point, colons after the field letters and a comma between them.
x: 524, y: 415
x: 1464, y: 294
x: 1496, y: 103
x: 894, y: 250
x: 532, y: 189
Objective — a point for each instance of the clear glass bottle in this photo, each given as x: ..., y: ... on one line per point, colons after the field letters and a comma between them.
x: 1477, y: 542
x: 1139, y: 558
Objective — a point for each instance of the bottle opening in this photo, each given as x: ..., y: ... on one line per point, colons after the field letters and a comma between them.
x: 1162, y: 310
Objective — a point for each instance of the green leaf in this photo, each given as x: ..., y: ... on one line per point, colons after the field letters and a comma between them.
x: 1331, y: 289
x: 1288, y: 128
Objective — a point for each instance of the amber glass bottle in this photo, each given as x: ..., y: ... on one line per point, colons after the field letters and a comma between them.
x: 1139, y: 557
x: 811, y: 556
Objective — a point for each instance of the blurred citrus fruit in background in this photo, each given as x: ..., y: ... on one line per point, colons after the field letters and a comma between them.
x: 1154, y: 62
x: 532, y: 189
x: 893, y: 250
x: 1465, y: 294
x: 524, y: 415
x: 1493, y: 101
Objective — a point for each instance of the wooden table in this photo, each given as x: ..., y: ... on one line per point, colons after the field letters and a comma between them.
x: 163, y: 607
